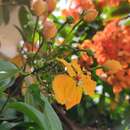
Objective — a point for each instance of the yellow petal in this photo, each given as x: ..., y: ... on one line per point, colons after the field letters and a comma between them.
x: 70, y: 70
x: 113, y: 65
x: 74, y: 98
x: 62, y: 87
x: 88, y: 85
x: 76, y: 66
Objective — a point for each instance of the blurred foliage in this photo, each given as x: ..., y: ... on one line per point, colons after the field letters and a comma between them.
x: 103, y: 110
x: 6, y: 6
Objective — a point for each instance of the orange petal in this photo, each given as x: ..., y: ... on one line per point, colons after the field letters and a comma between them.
x: 117, y: 89
x: 74, y: 98
x: 62, y: 87
x: 76, y: 66
x: 70, y: 70
x: 18, y: 60
x: 88, y: 85
x: 113, y: 65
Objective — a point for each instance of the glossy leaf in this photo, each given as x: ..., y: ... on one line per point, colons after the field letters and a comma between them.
x: 51, y: 115
x: 7, y: 70
x: 32, y: 113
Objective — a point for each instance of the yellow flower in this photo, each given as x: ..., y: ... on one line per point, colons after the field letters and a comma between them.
x: 68, y: 89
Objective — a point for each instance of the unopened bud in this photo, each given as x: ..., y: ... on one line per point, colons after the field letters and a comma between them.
x: 70, y: 19
x: 49, y: 30
x: 90, y: 15
x: 39, y: 7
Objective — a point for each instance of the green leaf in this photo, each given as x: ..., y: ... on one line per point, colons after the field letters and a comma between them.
x: 7, y: 70
x: 23, y: 17
x: 4, y: 126
x: 51, y: 115
x: 4, y: 85
x: 21, y: 32
x: 32, y: 113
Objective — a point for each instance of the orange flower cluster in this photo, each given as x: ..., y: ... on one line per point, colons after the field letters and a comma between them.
x: 120, y: 80
x: 76, y: 7
x: 113, y: 43
x: 113, y: 3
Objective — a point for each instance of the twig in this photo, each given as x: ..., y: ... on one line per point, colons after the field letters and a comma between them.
x: 64, y: 118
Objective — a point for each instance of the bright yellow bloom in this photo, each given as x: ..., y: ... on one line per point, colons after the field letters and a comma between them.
x: 68, y: 89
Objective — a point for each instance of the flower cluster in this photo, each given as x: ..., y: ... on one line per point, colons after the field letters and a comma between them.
x: 113, y: 44
x: 113, y: 3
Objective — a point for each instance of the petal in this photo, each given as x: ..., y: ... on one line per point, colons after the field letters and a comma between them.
x: 70, y: 70
x: 62, y: 87
x: 88, y: 85
x: 18, y: 60
x: 76, y: 66
x: 75, y: 98
x: 113, y: 65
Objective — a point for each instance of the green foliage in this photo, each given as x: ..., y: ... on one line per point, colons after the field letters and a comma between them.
x: 42, y: 102
x: 33, y: 110
x: 7, y: 70
x: 32, y: 113
x: 6, y: 7
x: 51, y: 115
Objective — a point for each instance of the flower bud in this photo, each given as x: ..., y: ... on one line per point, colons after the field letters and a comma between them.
x: 51, y: 5
x: 39, y: 7
x: 70, y: 19
x: 90, y: 15
x: 49, y: 30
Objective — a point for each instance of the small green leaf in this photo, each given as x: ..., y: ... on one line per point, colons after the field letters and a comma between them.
x: 32, y: 113
x: 7, y: 70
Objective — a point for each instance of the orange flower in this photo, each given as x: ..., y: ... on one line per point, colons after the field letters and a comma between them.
x: 71, y: 12
x: 68, y: 89
x: 85, y: 59
x: 76, y: 7
x: 85, y: 4
x: 113, y: 3
x: 87, y: 44
x: 51, y: 5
